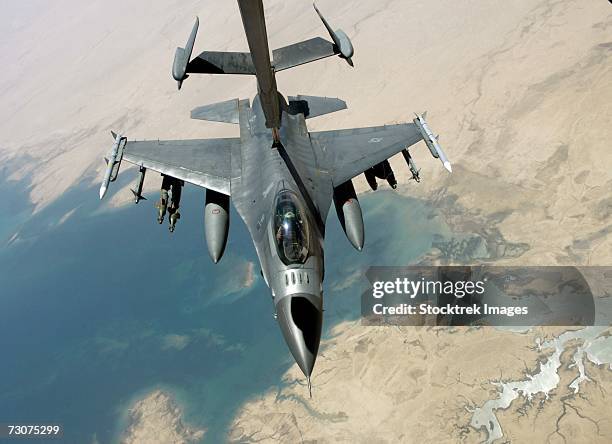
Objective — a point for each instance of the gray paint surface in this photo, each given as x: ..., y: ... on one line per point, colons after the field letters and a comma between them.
x: 281, y: 177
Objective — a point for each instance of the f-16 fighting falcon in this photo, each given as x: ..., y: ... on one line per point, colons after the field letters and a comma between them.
x: 280, y: 177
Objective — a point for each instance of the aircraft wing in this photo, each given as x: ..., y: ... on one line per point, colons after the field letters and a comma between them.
x: 203, y: 162
x: 350, y: 152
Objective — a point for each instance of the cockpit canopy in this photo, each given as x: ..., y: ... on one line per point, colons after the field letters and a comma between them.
x: 291, y: 233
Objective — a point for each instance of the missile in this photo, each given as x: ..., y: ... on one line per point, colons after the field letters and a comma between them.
x: 110, y: 164
x: 139, y: 183
x: 411, y: 165
x: 432, y: 141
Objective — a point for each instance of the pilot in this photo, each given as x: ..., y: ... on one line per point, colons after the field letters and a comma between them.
x: 285, y: 225
x: 289, y: 235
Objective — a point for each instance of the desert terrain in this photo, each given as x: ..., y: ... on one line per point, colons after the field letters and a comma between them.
x: 521, y: 94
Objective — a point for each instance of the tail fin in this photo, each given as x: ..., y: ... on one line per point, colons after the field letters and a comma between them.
x: 137, y: 197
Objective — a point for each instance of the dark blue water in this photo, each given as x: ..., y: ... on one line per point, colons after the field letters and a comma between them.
x: 88, y: 309
x: 14, y: 204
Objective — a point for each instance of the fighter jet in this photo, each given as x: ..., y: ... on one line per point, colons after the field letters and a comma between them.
x: 280, y: 177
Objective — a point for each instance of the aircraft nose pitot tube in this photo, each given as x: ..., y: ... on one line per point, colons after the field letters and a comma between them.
x: 300, y: 318
x: 349, y: 213
x: 216, y: 223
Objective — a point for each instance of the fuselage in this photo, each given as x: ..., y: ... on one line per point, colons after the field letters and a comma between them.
x: 283, y: 198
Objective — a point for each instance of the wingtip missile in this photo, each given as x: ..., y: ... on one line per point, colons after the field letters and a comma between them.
x: 112, y: 161
x: 432, y: 141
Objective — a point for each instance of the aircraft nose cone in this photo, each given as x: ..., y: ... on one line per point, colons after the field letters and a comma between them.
x: 300, y: 318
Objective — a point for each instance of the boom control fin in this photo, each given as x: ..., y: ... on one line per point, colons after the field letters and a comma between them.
x: 341, y: 40
x: 182, y: 56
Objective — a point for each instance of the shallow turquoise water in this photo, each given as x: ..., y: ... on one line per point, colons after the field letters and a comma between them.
x: 90, y: 310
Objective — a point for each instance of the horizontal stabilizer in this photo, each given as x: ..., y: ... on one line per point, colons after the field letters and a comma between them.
x: 312, y: 106
x: 303, y: 52
x: 226, y: 112
x: 219, y: 62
